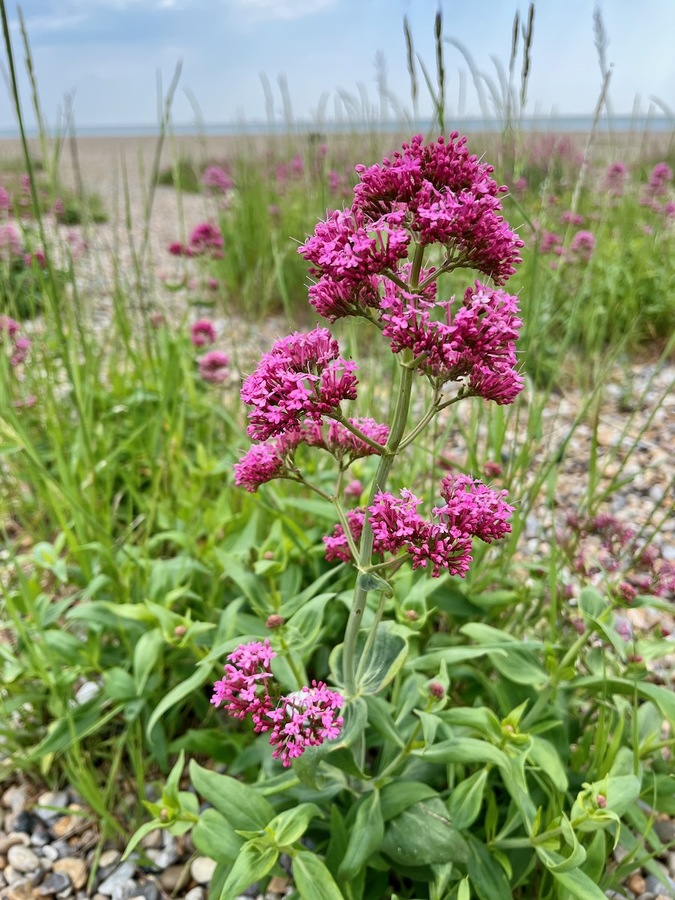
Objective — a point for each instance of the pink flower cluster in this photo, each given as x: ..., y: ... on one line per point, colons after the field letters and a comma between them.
x: 582, y: 245
x: 432, y: 194
x: 205, y: 240
x: 214, y: 364
x: 216, y: 179
x: 274, y: 458
x: 11, y: 246
x: 476, y: 342
x: 305, y: 718
x: 202, y: 332
x: 471, y: 510
x: 448, y: 197
x: 603, y: 546
x: 18, y: 346
x: 303, y: 375
x: 615, y: 179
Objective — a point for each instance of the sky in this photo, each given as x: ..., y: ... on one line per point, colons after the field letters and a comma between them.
x: 110, y: 56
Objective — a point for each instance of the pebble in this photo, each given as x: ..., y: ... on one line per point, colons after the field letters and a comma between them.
x: 118, y: 876
x: 54, y: 883
x: 50, y: 852
x: 125, y: 890
x: 202, y: 869
x: 107, y: 862
x: 195, y: 894
x: 22, y: 858
x: 51, y: 798
x: 665, y: 829
x: 62, y: 847
x: 14, y: 798
x: 21, y: 890
x: 148, y: 891
x: 660, y: 885
x: 40, y: 835
x: 14, y: 837
x: 152, y: 840
x: 74, y: 868
x: 174, y: 878
x: 64, y: 825
x: 87, y: 692
x: 24, y: 822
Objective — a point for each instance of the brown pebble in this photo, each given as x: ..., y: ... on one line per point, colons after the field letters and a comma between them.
x: 63, y: 825
x: 152, y: 840
x: 14, y: 837
x: 75, y: 869
x: 20, y: 890
x: 108, y: 858
x: 277, y: 884
x: 636, y: 884
x: 174, y: 878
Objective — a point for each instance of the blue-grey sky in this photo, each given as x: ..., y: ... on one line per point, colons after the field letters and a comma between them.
x: 108, y: 53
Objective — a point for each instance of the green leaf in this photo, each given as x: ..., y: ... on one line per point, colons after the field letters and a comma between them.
x: 146, y: 656
x: 305, y: 626
x: 463, y: 889
x: 592, y: 603
x: 199, y: 677
x: 520, y: 668
x: 312, y: 879
x: 398, y: 796
x: 78, y: 724
x: 382, y: 720
x: 118, y: 684
x: 369, y: 581
x: 252, y: 863
x: 466, y: 800
x: 170, y: 792
x: 139, y: 834
x: 431, y: 661
x: 463, y: 750
x: 242, y: 806
x: 575, y: 881
x: 288, y: 826
x: 544, y: 755
x: 365, y: 836
x: 487, y: 876
x: 214, y: 837
x: 662, y: 697
x: 386, y: 656
x: 423, y: 835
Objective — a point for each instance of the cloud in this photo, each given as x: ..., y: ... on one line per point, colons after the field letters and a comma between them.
x: 282, y: 9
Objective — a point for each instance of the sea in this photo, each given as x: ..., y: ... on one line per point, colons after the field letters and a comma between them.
x: 637, y: 124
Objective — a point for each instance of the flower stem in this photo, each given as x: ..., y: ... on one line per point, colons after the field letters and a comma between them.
x: 389, y: 454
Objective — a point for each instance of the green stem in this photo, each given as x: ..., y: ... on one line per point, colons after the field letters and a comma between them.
x: 401, y: 756
x: 389, y: 454
x: 370, y: 640
x: 355, y: 430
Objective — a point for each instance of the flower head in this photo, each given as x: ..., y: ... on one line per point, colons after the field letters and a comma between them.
x: 243, y: 688
x: 449, y: 197
x: 304, y: 719
x: 266, y: 461
x: 213, y: 366
x: 303, y: 375
x: 205, y: 238
x: 202, y: 332
x: 217, y: 179
x: 295, y: 721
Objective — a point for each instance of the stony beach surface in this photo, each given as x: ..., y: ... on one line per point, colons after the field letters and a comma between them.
x: 49, y: 843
